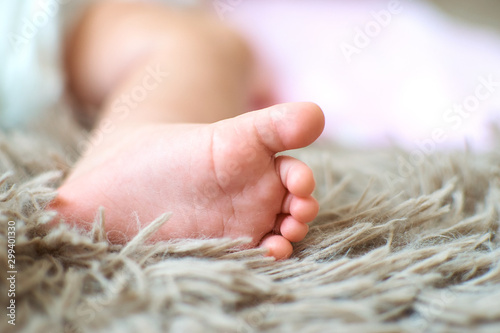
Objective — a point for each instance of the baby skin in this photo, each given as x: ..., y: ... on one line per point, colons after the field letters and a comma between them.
x: 186, y: 147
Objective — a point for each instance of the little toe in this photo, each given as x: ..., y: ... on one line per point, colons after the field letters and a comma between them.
x: 296, y: 176
x: 277, y: 246
x: 293, y: 230
x: 304, y: 209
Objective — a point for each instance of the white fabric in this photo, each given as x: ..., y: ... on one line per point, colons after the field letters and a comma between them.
x: 30, y: 75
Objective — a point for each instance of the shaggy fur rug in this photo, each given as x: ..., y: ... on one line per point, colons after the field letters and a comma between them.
x: 403, y: 243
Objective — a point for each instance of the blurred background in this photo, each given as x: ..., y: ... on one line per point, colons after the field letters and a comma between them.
x: 421, y: 74
x: 381, y: 78
x: 480, y: 12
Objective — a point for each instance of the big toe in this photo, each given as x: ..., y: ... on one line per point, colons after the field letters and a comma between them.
x: 287, y: 126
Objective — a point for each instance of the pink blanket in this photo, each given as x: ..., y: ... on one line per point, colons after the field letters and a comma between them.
x: 382, y: 71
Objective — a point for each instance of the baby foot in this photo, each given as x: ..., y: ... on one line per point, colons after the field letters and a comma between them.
x: 219, y: 180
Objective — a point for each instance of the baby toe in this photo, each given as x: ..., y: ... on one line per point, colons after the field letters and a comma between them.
x: 277, y: 246
x: 293, y: 230
x: 304, y: 209
x: 296, y: 176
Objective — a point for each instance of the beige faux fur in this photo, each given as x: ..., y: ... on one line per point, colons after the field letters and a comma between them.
x: 399, y: 246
